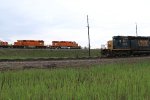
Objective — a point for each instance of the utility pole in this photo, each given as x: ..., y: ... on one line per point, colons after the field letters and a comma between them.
x: 88, y: 35
x: 136, y: 30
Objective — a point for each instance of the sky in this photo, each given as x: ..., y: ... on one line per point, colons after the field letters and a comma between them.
x: 65, y: 20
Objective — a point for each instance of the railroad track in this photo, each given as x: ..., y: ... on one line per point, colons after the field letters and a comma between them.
x: 20, y: 64
x: 48, y: 59
x: 67, y: 58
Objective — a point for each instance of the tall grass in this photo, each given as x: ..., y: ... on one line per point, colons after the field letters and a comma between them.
x: 45, y: 53
x: 100, y: 82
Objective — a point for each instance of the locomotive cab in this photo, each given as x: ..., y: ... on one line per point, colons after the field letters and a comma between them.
x: 107, y: 52
x: 110, y: 44
x: 121, y: 42
x: 118, y: 46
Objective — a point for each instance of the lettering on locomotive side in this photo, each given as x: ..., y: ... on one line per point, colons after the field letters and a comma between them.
x: 143, y: 43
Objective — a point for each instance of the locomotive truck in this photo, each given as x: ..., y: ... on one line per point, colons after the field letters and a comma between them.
x: 127, y: 46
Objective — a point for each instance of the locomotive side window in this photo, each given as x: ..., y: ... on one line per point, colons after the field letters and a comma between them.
x: 120, y: 41
x: 124, y: 42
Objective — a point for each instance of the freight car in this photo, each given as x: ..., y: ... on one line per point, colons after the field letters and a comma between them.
x: 64, y: 45
x: 127, y: 46
x: 29, y: 44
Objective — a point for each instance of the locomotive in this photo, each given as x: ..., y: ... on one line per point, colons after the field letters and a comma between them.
x: 40, y: 44
x: 64, y: 45
x: 127, y: 46
x: 29, y: 44
x: 3, y: 44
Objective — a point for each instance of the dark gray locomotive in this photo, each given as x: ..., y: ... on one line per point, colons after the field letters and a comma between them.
x: 127, y: 46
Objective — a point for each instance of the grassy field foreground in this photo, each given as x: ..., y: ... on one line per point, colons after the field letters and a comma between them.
x: 101, y: 82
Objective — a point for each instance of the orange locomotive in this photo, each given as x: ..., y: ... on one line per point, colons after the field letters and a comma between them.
x: 40, y: 44
x: 29, y: 44
x: 64, y: 45
x: 3, y: 44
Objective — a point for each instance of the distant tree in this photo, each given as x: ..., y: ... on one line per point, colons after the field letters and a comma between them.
x: 85, y: 47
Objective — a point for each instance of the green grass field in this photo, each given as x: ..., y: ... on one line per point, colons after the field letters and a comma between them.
x: 42, y: 53
x: 100, y: 82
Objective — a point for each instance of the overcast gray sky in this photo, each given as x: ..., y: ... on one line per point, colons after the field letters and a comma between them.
x: 50, y: 20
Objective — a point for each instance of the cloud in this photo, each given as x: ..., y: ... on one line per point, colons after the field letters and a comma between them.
x: 66, y: 19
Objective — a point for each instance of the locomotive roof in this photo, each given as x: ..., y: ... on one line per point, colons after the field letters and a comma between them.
x: 133, y: 37
x: 30, y: 40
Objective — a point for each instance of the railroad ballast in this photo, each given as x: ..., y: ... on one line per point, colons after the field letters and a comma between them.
x: 127, y: 46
